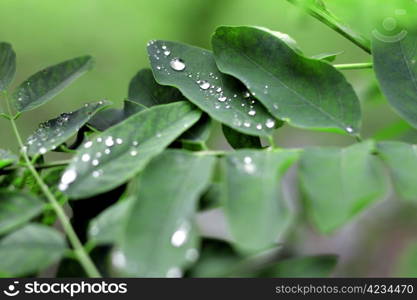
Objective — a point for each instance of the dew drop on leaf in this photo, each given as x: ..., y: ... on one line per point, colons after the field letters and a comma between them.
x: 177, y: 64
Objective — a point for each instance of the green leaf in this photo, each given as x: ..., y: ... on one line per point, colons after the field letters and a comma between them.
x: 239, y: 140
x: 255, y: 208
x: 44, y: 85
x: 17, y: 208
x: 401, y: 159
x: 194, y: 72
x: 106, y: 228
x: 306, y: 267
x: 160, y: 239
x: 30, y: 249
x: 395, y: 64
x: 55, y: 132
x: 340, y: 182
x: 7, y: 65
x: 198, y: 134
x: 120, y: 152
x: 328, y: 56
x: 6, y: 158
x: 145, y: 90
x: 304, y: 92
x: 109, y: 117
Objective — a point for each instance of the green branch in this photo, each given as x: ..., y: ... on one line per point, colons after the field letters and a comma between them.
x: 79, y: 250
x: 357, y: 66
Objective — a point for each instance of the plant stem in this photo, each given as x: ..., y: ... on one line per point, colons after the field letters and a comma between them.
x: 79, y: 250
x: 327, y: 18
x: 357, y: 66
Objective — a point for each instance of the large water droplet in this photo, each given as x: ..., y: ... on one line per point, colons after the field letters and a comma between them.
x: 118, y: 259
x: 174, y: 272
x: 177, y: 64
x: 69, y: 176
x: 252, y: 112
x: 42, y: 150
x: 180, y: 236
x: 270, y: 123
x: 85, y: 157
x: 109, y: 141
x: 88, y: 144
x: 349, y: 129
x: 204, y: 85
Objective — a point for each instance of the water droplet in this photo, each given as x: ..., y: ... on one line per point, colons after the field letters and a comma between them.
x: 99, y: 140
x: 252, y: 112
x: 107, y: 151
x: 218, y: 90
x: 167, y: 52
x: 180, y: 236
x: 222, y: 98
x: 246, y: 94
x: 85, y: 157
x: 119, y: 141
x: 174, y: 272
x: 88, y: 144
x: 135, y: 143
x: 95, y: 162
x: 192, y: 255
x: 177, y: 64
x: 109, y: 141
x: 133, y: 153
x: 349, y: 129
x: 247, y: 159
x: 204, y: 85
x: 42, y: 150
x: 275, y: 106
x: 164, y: 47
x: 270, y: 123
x: 259, y: 126
x: 96, y: 174
x: 118, y: 259
x: 246, y: 124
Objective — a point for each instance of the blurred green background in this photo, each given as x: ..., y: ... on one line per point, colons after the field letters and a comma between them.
x: 45, y: 32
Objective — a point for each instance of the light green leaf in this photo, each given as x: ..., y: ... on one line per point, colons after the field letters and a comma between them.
x: 339, y: 183
x: 30, y: 249
x: 160, y: 239
x: 17, y: 208
x: 194, y: 72
x: 395, y: 64
x: 239, y: 140
x: 107, y: 227
x: 6, y: 158
x: 44, y: 85
x: 304, y: 92
x: 119, y: 153
x: 306, y: 267
x: 54, y: 132
x: 401, y: 159
x: 7, y: 65
x: 145, y: 90
x: 255, y: 207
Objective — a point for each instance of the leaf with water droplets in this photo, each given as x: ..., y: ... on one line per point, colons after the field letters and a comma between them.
x: 339, y: 183
x: 44, y: 85
x: 239, y: 140
x: 145, y: 90
x: 106, y: 228
x: 7, y: 65
x: 306, y: 267
x: 17, y: 208
x: 194, y: 72
x: 401, y: 159
x: 119, y: 153
x: 6, y: 158
x: 54, y: 132
x: 30, y: 249
x: 304, y: 92
x: 160, y: 239
x: 395, y: 65
x: 251, y: 190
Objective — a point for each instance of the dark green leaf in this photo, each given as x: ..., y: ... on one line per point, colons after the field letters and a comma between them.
x: 340, y: 183
x: 239, y: 140
x: 54, y: 132
x: 306, y: 267
x: 6, y: 158
x: 106, y: 228
x: 44, y: 85
x: 7, y: 65
x: 145, y: 90
x: 255, y: 207
x: 17, y: 208
x: 304, y: 92
x: 120, y: 152
x: 30, y: 249
x: 401, y: 158
x: 198, y: 134
x: 395, y: 64
x: 160, y: 239
x: 194, y: 72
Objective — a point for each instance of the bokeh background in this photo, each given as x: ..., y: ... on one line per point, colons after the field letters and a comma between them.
x: 45, y: 32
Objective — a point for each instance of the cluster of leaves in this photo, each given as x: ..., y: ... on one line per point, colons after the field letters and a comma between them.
x: 139, y: 176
